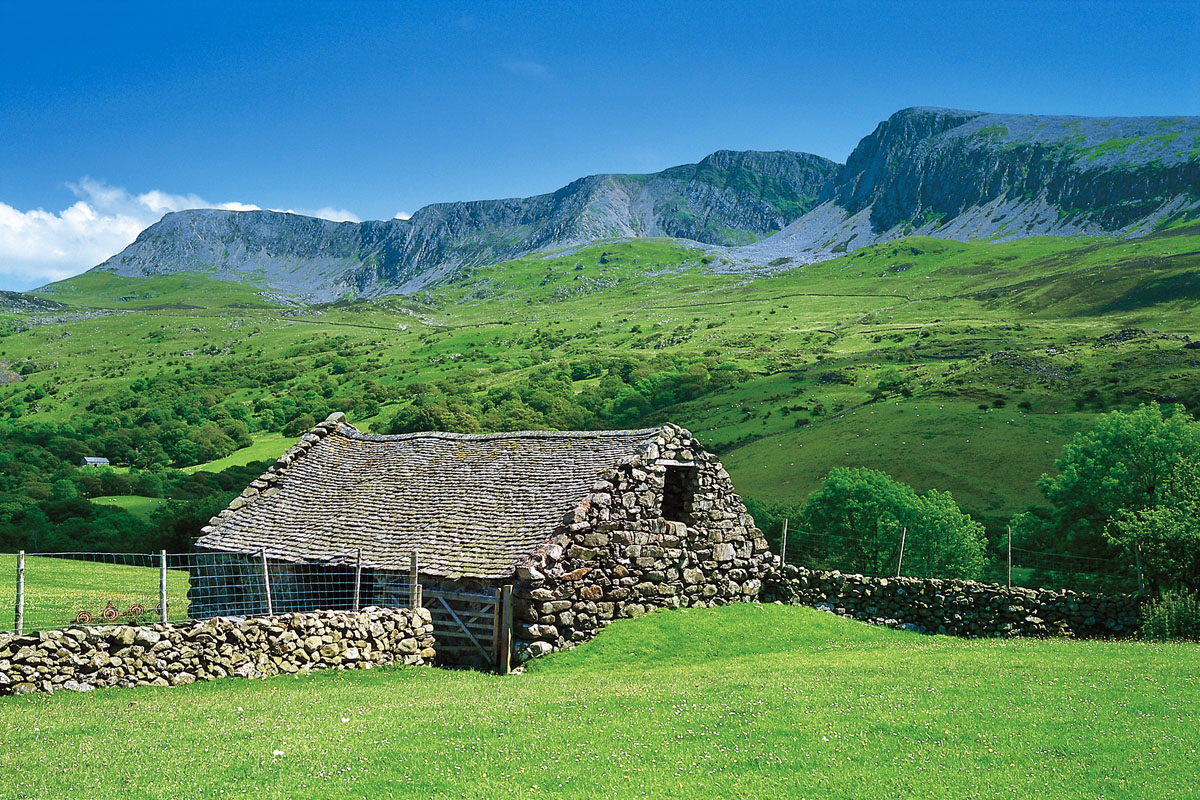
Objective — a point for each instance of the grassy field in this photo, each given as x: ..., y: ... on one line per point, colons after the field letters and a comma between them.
x: 265, y: 448
x: 57, y: 589
x: 141, y: 507
x: 738, y: 702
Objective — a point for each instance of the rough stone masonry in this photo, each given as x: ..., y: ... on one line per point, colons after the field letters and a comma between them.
x: 616, y: 555
x: 957, y: 608
x: 84, y: 658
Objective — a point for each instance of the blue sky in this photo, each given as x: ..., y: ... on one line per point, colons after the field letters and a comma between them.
x: 112, y: 114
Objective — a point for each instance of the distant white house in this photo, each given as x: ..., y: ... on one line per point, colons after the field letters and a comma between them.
x: 93, y: 461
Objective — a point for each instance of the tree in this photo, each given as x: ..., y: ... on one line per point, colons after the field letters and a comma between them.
x: 944, y: 542
x: 1165, y: 539
x: 63, y: 490
x: 629, y: 407
x: 1121, y: 466
x: 867, y: 511
x: 300, y: 425
x: 147, y: 484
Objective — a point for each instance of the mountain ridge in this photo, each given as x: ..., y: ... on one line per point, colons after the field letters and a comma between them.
x: 946, y: 173
x: 959, y: 174
x: 728, y: 197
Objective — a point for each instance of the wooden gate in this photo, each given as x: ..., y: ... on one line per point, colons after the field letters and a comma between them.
x: 473, y: 629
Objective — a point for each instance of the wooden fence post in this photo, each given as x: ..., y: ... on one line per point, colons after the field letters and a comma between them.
x: 358, y: 580
x: 162, y: 587
x: 502, y: 629
x: 19, y: 618
x: 414, y: 581
x: 783, y: 547
x: 497, y: 613
x: 267, y: 583
x: 900, y: 560
x: 1010, y: 556
x: 1141, y: 582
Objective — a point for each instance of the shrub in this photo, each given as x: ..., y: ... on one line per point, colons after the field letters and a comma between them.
x: 1174, y: 615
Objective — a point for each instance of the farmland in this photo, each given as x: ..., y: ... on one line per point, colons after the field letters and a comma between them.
x: 739, y: 701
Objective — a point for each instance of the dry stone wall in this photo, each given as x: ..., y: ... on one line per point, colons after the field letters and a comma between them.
x: 615, y: 556
x: 957, y: 608
x: 84, y: 658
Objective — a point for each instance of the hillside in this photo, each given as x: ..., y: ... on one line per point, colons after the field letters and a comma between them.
x: 728, y: 198
x: 741, y: 701
x: 960, y: 366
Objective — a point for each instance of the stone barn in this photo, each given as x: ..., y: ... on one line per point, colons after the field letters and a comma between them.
x: 587, y: 527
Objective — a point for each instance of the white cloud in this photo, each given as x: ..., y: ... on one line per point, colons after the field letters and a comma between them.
x: 402, y: 215
x: 325, y: 212
x: 39, y: 246
x: 525, y: 68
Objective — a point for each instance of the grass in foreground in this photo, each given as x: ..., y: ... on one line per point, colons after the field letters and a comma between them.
x: 745, y: 701
x: 57, y: 589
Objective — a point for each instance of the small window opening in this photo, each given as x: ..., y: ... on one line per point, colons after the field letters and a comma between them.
x: 679, y: 487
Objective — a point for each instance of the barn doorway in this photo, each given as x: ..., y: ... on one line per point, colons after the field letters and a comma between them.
x: 473, y: 629
x: 679, y: 490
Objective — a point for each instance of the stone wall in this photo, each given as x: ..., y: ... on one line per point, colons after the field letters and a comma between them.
x: 83, y: 658
x: 958, y: 608
x: 615, y: 556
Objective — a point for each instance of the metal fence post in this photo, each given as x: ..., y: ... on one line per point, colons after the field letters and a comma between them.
x: 162, y: 587
x: 900, y: 560
x: 358, y: 580
x: 414, y: 578
x: 19, y: 618
x: 783, y: 547
x: 267, y: 583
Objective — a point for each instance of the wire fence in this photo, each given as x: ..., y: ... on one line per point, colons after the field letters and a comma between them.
x: 53, y: 590
x: 892, y: 553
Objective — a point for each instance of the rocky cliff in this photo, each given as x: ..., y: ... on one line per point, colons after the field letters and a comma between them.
x: 728, y: 198
x: 969, y: 175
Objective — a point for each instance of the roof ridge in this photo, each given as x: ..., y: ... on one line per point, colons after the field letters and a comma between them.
x: 345, y: 429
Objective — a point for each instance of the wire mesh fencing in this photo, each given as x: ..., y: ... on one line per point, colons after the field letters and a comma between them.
x: 54, y: 590
x: 888, y: 554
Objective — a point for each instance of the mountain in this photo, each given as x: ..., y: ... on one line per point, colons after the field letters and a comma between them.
x: 937, y: 172
x: 728, y: 198
x: 969, y: 175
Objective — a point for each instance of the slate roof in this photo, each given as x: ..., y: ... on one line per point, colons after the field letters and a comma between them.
x: 471, y: 504
x: 94, y: 461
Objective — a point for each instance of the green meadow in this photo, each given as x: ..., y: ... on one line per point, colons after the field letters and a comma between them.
x: 56, y: 589
x: 741, y: 701
x: 141, y: 507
